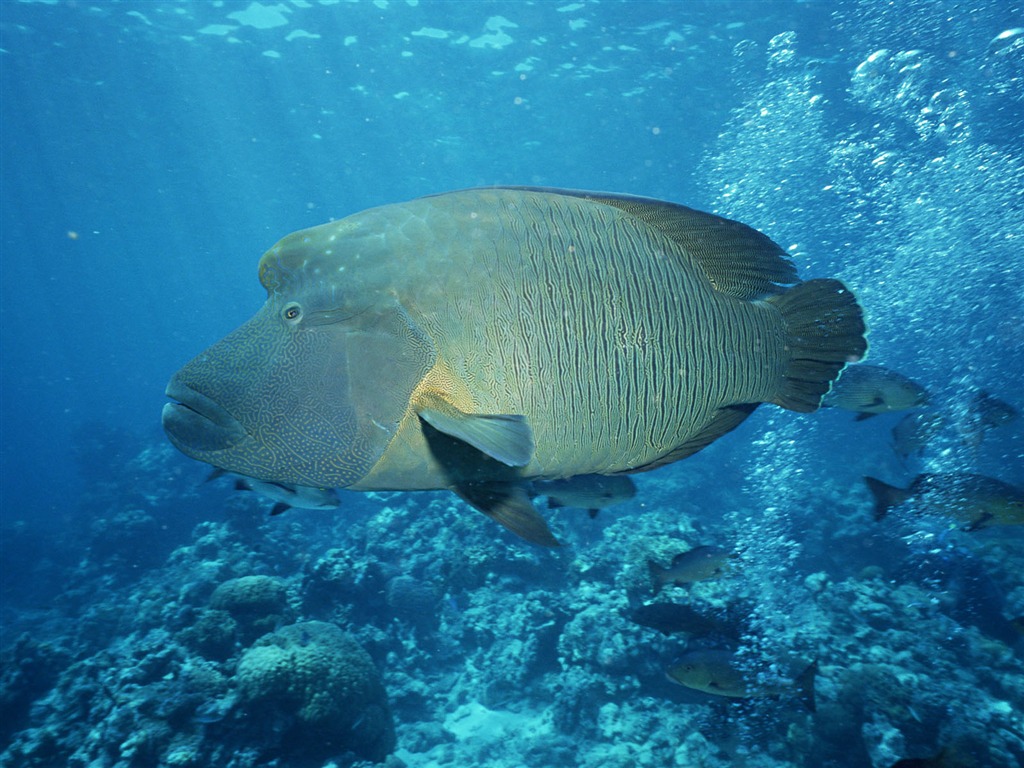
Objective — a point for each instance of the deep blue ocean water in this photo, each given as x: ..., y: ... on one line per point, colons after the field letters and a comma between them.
x: 152, y: 151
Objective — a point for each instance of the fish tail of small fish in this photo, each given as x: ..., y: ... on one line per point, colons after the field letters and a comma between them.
x: 886, y: 496
x: 826, y: 330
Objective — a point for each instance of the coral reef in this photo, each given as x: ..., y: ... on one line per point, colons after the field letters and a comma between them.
x: 323, y: 686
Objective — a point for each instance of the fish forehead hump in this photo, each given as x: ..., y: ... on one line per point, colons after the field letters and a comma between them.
x: 595, y: 326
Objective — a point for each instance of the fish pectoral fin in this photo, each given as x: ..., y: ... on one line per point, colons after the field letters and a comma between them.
x: 510, y: 505
x: 504, y: 437
x: 861, y: 415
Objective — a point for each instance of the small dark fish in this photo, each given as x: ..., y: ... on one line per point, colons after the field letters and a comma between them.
x: 871, y: 389
x: 287, y: 496
x: 720, y: 673
x: 669, y: 618
x: 697, y: 564
x: 210, y: 712
x: 914, y: 431
x: 590, y: 492
x: 945, y: 758
x: 975, y: 500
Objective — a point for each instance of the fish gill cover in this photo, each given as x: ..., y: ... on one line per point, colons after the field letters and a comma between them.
x: 153, y: 150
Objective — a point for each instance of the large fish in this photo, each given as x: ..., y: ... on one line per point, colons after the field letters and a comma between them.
x: 479, y: 339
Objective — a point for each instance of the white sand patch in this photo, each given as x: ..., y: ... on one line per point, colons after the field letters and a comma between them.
x: 475, y: 722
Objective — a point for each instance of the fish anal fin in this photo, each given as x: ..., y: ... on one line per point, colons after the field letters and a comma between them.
x: 509, y: 505
x: 825, y: 331
x: 279, y: 508
x: 504, y: 437
x: 725, y: 420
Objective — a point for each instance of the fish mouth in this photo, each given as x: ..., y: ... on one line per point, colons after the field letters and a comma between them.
x: 196, y: 423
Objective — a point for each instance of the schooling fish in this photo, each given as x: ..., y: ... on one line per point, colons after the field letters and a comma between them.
x: 871, y: 389
x: 478, y: 340
x: 721, y: 673
x: 975, y: 500
x: 590, y: 492
x: 697, y: 564
x: 287, y: 496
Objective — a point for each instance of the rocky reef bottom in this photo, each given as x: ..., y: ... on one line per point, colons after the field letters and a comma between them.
x: 167, y: 622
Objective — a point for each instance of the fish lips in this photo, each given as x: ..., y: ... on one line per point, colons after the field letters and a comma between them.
x: 197, y: 424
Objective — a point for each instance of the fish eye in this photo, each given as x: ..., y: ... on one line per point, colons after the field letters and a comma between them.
x: 292, y: 312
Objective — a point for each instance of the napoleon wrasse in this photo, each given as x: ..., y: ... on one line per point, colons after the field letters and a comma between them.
x: 481, y: 339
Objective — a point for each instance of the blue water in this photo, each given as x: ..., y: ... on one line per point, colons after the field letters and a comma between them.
x: 151, y: 151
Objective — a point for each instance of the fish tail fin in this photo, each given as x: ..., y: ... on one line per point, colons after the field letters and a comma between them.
x: 805, y: 686
x: 657, y: 575
x: 886, y: 496
x: 825, y: 328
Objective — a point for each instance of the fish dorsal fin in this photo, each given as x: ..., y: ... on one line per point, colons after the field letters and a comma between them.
x: 737, y: 259
x: 504, y: 437
x: 510, y: 505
